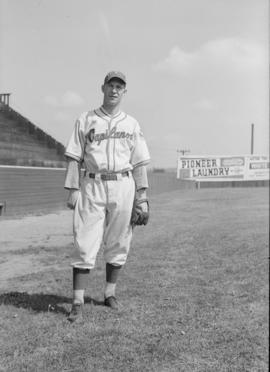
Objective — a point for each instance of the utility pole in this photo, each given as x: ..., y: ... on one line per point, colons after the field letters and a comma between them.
x: 183, y: 152
x: 252, y: 139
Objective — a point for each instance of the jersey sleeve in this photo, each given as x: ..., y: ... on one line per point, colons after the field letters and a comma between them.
x: 140, y: 153
x: 76, y: 143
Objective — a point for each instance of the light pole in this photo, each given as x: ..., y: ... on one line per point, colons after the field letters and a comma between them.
x: 182, y: 152
x: 252, y: 139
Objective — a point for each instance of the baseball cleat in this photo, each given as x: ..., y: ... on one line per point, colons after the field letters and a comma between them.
x: 111, y: 302
x: 76, y: 313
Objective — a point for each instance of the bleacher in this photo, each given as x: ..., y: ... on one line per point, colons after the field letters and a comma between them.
x: 23, y: 143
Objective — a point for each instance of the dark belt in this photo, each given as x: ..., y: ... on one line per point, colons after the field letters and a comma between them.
x: 107, y: 176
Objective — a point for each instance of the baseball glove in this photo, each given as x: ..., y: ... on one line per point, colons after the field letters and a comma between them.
x: 140, y: 214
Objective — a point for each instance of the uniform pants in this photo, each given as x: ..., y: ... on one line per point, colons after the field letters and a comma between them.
x: 102, y: 216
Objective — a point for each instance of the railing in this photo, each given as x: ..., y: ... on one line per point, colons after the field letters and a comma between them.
x: 4, y: 98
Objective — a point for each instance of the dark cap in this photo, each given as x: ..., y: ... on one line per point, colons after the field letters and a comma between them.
x: 115, y: 75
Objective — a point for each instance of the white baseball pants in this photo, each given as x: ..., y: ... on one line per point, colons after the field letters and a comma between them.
x: 102, y: 215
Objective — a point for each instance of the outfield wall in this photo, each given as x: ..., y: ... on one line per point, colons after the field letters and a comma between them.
x: 27, y: 190
x: 231, y: 184
x: 31, y: 190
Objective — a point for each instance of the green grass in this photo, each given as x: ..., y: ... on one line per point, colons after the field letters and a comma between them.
x: 194, y: 295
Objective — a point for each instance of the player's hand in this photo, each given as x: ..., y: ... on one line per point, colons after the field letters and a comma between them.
x: 140, y: 213
x: 144, y: 207
x: 72, y: 198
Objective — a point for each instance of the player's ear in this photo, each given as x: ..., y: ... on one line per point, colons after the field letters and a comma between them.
x: 102, y: 88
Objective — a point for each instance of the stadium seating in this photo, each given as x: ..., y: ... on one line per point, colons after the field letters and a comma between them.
x: 23, y: 143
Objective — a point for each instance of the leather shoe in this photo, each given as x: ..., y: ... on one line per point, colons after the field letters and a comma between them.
x: 111, y: 302
x: 76, y: 313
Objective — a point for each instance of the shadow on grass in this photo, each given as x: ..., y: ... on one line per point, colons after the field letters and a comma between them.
x: 41, y: 302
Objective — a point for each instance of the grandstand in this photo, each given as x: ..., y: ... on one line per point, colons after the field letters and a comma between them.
x: 23, y: 143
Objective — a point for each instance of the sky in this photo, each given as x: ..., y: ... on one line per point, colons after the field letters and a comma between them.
x: 197, y: 70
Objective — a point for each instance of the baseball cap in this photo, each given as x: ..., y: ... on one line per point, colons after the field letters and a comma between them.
x: 115, y: 74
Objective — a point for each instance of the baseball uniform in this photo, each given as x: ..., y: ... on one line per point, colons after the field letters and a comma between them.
x: 109, y: 148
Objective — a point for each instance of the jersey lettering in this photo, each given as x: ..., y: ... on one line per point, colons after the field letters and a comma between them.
x: 99, y: 137
x: 91, y: 135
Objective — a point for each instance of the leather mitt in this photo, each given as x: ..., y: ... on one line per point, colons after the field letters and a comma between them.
x: 140, y: 212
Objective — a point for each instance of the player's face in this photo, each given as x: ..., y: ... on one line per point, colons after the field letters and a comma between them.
x: 113, y: 92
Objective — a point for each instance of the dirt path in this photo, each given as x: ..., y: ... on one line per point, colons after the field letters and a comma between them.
x: 20, y: 237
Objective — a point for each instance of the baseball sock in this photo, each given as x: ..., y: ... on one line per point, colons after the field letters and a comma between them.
x: 112, y: 272
x: 80, y: 280
x: 78, y: 296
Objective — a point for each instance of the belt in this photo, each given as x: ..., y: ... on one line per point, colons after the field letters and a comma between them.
x: 107, y: 176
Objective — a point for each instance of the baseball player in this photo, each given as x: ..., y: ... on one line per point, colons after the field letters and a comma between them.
x: 109, y: 199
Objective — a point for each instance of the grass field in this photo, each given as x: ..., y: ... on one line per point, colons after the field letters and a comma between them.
x: 194, y: 294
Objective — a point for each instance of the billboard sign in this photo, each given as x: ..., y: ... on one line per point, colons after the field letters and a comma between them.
x: 240, y: 167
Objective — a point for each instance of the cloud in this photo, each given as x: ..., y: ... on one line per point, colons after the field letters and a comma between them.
x: 51, y: 101
x: 204, y: 104
x: 225, y: 75
x: 72, y: 99
x: 230, y: 54
x: 68, y: 99
x: 106, y: 43
x: 104, y: 24
x: 177, y: 62
x: 62, y: 117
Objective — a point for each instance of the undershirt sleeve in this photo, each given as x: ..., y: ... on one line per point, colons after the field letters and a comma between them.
x: 140, y: 177
x: 72, y: 179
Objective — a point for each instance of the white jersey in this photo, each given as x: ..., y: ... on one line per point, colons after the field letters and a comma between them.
x: 107, y: 144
